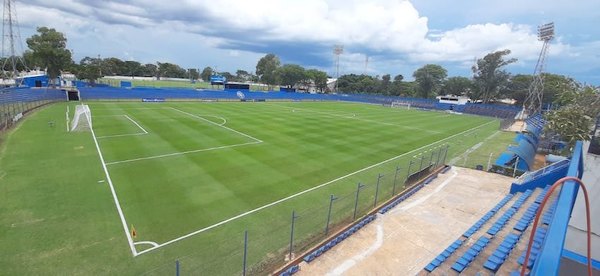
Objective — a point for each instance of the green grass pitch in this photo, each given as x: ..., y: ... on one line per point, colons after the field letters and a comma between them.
x: 191, y: 177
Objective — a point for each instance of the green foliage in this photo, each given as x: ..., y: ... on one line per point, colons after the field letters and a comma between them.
x: 193, y: 74
x: 206, y: 73
x: 170, y: 70
x: 570, y: 123
x: 489, y: 76
x: 89, y: 69
x: 517, y: 88
x: 49, y: 50
x: 291, y: 74
x: 266, y: 69
x: 353, y: 83
x: 456, y: 86
x: 319, y: 78
x: 429, y: 79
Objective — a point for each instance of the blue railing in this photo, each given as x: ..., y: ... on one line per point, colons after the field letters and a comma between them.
x: 548, y: 262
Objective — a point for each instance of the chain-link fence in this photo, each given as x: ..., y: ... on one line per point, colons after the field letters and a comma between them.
x: 16, y: 102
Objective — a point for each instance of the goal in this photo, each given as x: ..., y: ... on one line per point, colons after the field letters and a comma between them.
x: 82, y: 119
x: 404, y: 105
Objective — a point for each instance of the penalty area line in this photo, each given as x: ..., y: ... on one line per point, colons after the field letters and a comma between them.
x: 114, y: 194
x: 305, y: 191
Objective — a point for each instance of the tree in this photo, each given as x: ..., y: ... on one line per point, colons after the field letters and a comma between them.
x: 170, y: 70
x: 319, y: 78
x: 456, y: 86
x: 49, y: 49
x: 113, y: 66
x: 243, y: 75
x: 206, y: 73
x: 573, y: 120
x: 429, y: 79
x: 517, y: 88
x: 133, y: 68
x: 489, y: 76
x: 266, y: 69
x: 386, y: 85
x: 89, y: 69
x: 194, y: 75
x: 150, y: 70
x: 291, y: 74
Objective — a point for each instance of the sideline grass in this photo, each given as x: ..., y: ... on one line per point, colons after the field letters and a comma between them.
x: 58, y: 216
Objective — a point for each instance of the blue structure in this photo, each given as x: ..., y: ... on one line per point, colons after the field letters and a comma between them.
x: 34, y: 81
x: 522, y: 155
x: 217, y: 80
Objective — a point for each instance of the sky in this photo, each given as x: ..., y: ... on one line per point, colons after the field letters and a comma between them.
x: 397, y: 36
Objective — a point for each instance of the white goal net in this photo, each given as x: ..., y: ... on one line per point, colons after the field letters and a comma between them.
x: 82, y: 119
x: 404, y: 105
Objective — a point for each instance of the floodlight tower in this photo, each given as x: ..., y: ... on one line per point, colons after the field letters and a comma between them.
x: 11, y: 36
x: 533, y: 102
x: 337, y: 51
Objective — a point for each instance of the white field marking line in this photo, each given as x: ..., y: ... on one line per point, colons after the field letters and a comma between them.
x: 473, y: 148
x: 213, y: 116
x: 114, y: 194
x: 138, y: 125
x: 181, y: 153
x: 349, y: 263
x: 67, y: 118
x: 146, y: 242
x: 305, y: 191
x: 211, y: 122
x: 130, y: 134
x: 360, y: 119
x: 425, y: 197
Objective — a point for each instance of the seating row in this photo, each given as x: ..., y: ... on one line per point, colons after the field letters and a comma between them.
x: 464, y: 261
x: 501, y: 221
x: 443, y: 256
x: 403, y: 197
x: 527, y: 217
x: 318, y: 252
x: 501, y: 253
x: 290, y: 271
x: 538, y: 240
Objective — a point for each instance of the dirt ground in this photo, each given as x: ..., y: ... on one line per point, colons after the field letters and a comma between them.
x: 408, y: 237
x: 517, y: 126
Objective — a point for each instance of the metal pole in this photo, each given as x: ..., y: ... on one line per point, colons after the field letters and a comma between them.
x: 422, y: 159
x: 379, y: 176
x: 431, y: 158
x: 437, y: 162
x: 515, y: 169
x: 177, y: 267
x: 294, y: 217
x: 489, y: 161
x: 356, y: 201
x: 445, y: 154
x: 331, y: 199
x: 408, y: 172
x: 395, y: 177
x: 245, y: 252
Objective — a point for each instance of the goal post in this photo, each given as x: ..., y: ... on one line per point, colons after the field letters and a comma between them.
x: 397, y: 104
x: 82, y: 118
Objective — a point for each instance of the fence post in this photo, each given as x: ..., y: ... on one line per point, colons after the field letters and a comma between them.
x: 245, y: 252
x: 422, y: 159
x: 431, y: 158
x: 515, y: 168
x: 360, y: 186
x: 437, y: 162
x: 408, y: 172
x: 445, y: 154
x: 395, y: 177
x: 294, y: 217
x: 177, y: 267
x: 331, y: 199
x: 489, y: 161
x: 379, y: 176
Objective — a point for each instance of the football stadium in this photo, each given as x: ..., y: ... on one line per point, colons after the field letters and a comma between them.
x: 114, y: 167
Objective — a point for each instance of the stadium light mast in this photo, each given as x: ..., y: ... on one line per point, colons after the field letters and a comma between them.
x: 533, y: 102
x: 11, y: 36
x: 337, y: 51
